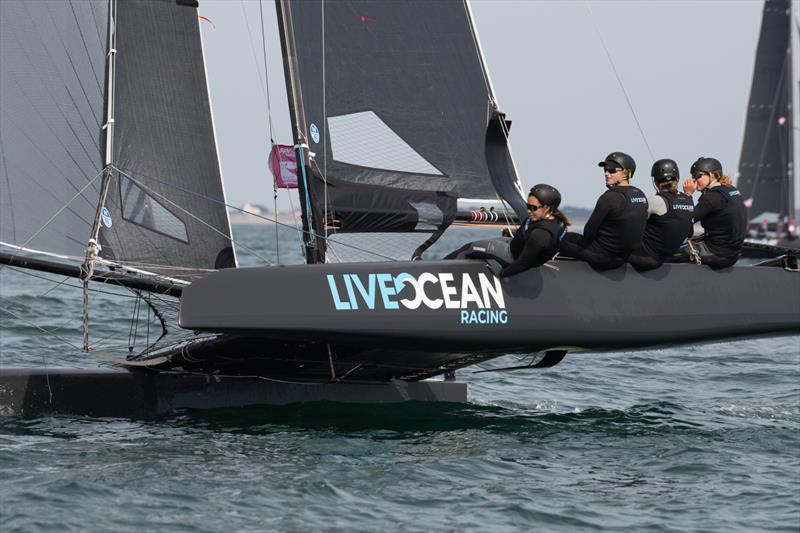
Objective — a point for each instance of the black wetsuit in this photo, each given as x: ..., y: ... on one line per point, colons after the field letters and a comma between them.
x: 534, y: 244
x: 613, y: 231
x: 722, y: 214
x: 665, y: 233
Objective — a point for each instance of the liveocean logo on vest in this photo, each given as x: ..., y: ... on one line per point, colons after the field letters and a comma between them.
x: 475, y: 300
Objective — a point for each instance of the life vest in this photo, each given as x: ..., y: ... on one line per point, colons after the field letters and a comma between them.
x: 622, y: 233
x: 726, y: 228
x: 665, y: 233
x: 555, y: 228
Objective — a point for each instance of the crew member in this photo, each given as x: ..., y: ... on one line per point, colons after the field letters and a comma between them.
x: 669, y: 221
x: 537, y: 239
x: 721, y: 212
x: 617, y: 223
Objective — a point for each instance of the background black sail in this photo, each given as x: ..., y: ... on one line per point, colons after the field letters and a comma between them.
x: 395, y: 103
x: 766, y: 166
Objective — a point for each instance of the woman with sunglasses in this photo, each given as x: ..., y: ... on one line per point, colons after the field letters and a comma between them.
x: 537, y: 239
x: 617, y: 223
x: 721, y: 212
x: 669, y: 221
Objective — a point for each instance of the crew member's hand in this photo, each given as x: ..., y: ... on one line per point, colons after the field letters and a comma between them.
x: 689, y: 186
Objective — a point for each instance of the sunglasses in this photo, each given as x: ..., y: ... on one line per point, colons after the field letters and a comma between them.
x: 612, y: 170
x: 698, y: 175
x: 534, y: 208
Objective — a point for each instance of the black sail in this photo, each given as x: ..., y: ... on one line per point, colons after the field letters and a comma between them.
x: 52, y: 80
x: 395, y: 104
x: 766, y: 166
x: 166, y: 205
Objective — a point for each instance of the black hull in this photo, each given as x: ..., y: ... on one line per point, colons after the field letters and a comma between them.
x: 374, y: 334
x: 142, y: 393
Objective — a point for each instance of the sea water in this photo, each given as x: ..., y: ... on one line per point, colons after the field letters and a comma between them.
x: 697, y: 438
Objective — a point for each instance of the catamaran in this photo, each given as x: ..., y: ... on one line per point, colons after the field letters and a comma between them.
x: 110, y: 174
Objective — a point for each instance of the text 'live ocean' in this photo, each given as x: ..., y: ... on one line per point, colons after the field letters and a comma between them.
x: 480, y: 303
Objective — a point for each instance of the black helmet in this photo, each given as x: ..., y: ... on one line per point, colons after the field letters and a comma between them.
x: 622, y: 159
x: 665, y: 170
x: 547, y: 194
x: 706, y: 164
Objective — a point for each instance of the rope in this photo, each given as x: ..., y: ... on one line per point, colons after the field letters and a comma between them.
x: 619, y: 79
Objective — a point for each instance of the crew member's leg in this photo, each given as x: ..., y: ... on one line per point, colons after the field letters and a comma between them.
x: 577, y: 246
x: 643, y: 261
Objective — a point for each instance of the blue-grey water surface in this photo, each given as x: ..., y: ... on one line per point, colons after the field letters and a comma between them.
x: 696, y: 438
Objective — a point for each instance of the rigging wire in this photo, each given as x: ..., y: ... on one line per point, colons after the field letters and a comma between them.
x: 134, y: 328
x: 155, y: 193
x: 271, y: 129
x: 52, y: 218
x: 274, y: 220
x: 619, y: 79
x: 43, y: 330
x: 45, y: 278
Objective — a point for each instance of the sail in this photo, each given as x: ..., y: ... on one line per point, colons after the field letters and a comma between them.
x: 165, y: 209
x: 766, y: 167
x: 396, y: 107
x: 166, y: 205
x: 52, y: 80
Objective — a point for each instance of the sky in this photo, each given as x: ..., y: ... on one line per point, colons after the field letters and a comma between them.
x: 686, y: 66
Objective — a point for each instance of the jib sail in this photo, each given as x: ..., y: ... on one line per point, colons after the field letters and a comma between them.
x: 165, y: 203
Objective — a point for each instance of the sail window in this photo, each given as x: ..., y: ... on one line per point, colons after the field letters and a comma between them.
x: 142, y: 209
x: 364, y: 140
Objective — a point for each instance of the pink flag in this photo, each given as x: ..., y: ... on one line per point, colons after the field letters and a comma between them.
x: 283, y: 164
x: 748, y: 202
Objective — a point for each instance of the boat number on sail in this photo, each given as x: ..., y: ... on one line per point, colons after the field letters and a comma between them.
x: 106, y: 216
x: 480, y: 302
x: 314, y: 130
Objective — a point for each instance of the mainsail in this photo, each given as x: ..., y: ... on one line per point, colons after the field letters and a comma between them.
x: 165, y: 211
x: 52, y: 83
x: 396, y: 108
x: 766, y: 167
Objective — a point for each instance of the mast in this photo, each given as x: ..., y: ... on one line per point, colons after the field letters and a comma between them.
x: 314, y: 245
x: 92, y: 248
